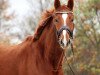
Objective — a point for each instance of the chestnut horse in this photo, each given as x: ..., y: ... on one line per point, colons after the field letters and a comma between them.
x: 41, y: 54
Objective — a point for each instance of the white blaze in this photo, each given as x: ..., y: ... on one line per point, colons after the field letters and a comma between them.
x: 64, y: 16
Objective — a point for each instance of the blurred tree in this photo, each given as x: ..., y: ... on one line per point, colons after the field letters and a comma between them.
x: 42, y: 5
x: 3, y: 6
x: 87, y: 38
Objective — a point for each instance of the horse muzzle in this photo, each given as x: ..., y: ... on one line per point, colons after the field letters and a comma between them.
x: 64, y: 44
x: 64, y: 36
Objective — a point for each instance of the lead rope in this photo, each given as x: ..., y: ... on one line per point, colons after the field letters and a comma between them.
x: 58, y: 65
x: 69, y: 66
x: 67, y: 60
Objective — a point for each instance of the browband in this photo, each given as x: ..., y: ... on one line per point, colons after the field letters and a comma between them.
x: 64, y: 12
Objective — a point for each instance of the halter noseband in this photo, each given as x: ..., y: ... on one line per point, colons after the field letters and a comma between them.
x: 67, y: 29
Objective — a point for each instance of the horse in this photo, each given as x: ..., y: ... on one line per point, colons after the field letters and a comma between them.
x: 43, y: 52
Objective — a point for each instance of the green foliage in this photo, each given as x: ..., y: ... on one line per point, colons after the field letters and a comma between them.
x: 87, y: 39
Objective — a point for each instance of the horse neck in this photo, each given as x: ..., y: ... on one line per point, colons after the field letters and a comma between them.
x: 51, y: 49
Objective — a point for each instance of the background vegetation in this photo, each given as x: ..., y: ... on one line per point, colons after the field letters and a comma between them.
x: 86, y: 38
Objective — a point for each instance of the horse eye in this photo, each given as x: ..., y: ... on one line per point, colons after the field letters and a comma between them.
x: 56, y: 20
x: 72, y: 20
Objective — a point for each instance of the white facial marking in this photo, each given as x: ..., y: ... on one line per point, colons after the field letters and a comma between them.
x: 64, y: 39
x: 64, y: 16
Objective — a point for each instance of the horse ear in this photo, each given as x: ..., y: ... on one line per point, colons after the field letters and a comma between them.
x: 70, y: 4
x: 57, y: 4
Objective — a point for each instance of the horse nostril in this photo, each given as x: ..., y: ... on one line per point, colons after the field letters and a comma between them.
x: 68, y: 42
x: 61, y: 42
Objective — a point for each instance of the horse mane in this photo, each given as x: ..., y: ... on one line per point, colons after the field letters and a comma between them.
x: 47, y: 16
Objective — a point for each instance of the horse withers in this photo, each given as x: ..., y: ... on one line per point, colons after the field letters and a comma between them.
x: 42, y: 53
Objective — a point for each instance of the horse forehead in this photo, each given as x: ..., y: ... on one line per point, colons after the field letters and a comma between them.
x: 64, y: 17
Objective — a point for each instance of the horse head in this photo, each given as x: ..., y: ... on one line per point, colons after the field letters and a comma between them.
x: 63, y: 21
